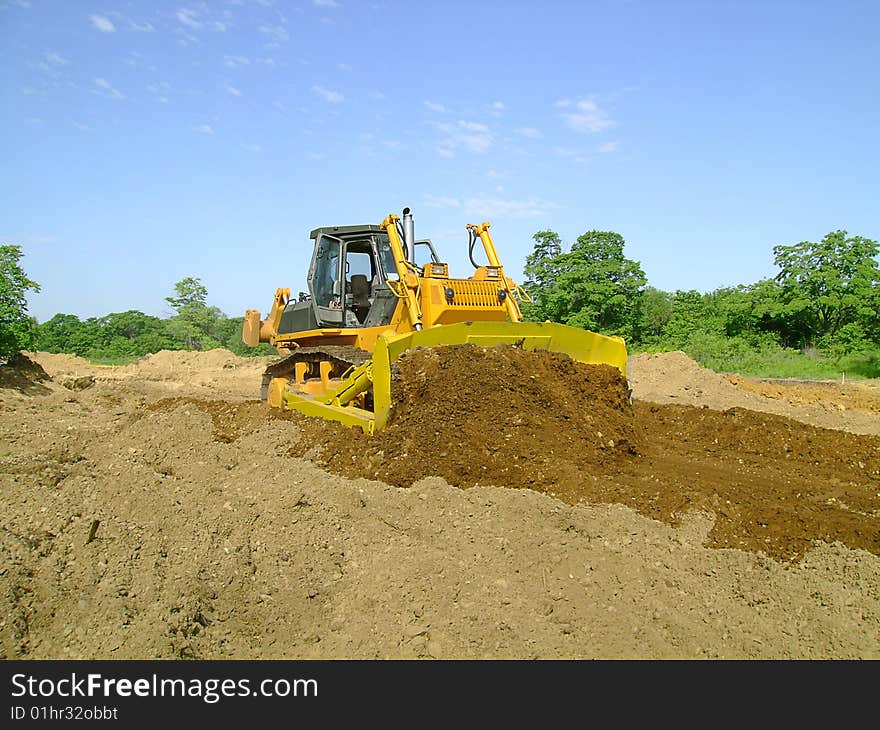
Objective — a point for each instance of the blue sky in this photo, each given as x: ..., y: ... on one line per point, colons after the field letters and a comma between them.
x: 143, y: 142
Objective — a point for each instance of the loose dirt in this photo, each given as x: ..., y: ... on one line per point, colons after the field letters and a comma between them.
x: 711, y: 524
x: 470, y: 415
x: 672, y: 377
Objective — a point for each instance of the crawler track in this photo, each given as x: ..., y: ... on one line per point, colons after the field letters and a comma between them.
x: 341, y: 357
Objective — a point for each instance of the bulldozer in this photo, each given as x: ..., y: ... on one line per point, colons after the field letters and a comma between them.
x: 375, y: 292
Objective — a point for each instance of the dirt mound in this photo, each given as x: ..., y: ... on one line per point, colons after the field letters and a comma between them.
x: 831, y: 396
x: 24, y: 375
x: 673, y: 377
x: 169, y: 373
x: 477, y: 415
x: 167, y: 361
x: 229, y: 421
x: 506, y: 417
x: 57, y: 364
x: 162, y: 365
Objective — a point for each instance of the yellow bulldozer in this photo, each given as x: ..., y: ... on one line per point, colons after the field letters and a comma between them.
x: 376, y: 292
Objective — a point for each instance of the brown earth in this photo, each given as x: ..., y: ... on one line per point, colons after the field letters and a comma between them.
x: 672, y: 377
x: 680, y: 532
x: 567, y: 429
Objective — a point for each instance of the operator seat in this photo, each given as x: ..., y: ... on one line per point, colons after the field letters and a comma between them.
x: 359, y: 287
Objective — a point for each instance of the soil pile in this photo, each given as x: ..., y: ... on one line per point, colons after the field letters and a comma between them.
x: 505, y: 417
x: 22, y: 374
x: 169, y: 372
x: 775, y: 485
x: 62, y: 364
x: 673, y: 377
x: 500, y: 415
x: 830, y: 395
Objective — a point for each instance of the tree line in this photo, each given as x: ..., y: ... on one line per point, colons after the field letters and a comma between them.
x: 823, y: 302
x: 116, y: 337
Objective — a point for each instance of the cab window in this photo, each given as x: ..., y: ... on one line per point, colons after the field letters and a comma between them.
x: 326, y: 271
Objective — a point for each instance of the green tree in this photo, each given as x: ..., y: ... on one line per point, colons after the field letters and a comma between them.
x: 59, y: 333
x: 753, y: 311
x: 602, y: 287
x: 196, y: 325
x: 593, y: 286
x: 16, y: 328
x: 541, y: 271
x: 655, y: 311
x: 692, y: 313
x: 830, y: 288
x: 115, y: 336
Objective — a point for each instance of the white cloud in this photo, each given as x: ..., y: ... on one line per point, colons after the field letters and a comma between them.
x: 160, y: 91
x: 326, y: 3
x: 470, y: 136
x: 145, y: 27
x: 236, y: 61
x: 333, y: 97
x: 609, y: 147
x: 441, y: 201
x: 51, y: 66
x: 473, y: 126
x: 483, y: 208
x: 276, y: 32
x: 106, y: 89
x: 573, y: 153
x: 102, y: 24
x: 232, y: 90
x: 377, y: 96
x: 530, y: 132
x: 251, y: 147
x: 185, y: 37
x: 189, y: 18
x: 434, y: 107
x: 586, y: 116
x: 498, y: 105
x: 203, y: 129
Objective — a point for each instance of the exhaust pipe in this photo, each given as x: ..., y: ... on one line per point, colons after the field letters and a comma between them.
x: 409, y: 235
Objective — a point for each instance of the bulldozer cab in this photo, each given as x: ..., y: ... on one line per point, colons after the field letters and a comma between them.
x: 348, y: 274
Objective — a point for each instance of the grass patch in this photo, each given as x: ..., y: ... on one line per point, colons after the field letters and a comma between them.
x: 769, y: 360
x: 118, y: 360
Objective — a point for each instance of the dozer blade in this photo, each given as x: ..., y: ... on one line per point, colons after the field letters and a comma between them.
x: 581, y: 345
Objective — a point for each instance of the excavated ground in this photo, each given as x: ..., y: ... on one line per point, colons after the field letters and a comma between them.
x: 706, y: 519
x: 502, y: 416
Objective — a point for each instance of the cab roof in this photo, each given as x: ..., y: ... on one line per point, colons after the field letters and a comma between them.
x: 345, y: 231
